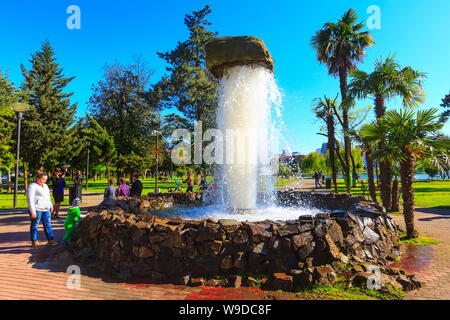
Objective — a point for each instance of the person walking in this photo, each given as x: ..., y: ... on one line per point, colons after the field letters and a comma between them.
x: 40, y: 207
x: 124, y: 188
x: 136, y: 186
x: 57, y: 191
x: 190, y: 183
x: 316, y: 177
x: 78, y: 177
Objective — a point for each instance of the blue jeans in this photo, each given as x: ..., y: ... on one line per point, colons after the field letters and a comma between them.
x: 45, y: 216
x: 317, y: 182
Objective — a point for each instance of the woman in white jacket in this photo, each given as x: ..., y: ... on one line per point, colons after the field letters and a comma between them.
x: 40, y: 207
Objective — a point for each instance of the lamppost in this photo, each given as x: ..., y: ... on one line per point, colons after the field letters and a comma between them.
x: 19, y: 108
x: 156, y: 132
x: 87, y: 166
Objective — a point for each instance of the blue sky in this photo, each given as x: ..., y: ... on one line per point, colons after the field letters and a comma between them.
x: 416, y: 30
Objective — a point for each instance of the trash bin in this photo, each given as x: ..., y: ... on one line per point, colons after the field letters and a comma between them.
x: 74, y: 192
x: 345, y: 180
x: 328, y: 183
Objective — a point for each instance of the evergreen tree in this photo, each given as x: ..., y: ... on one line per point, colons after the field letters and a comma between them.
x: 446, y: 105
x: 101, y: 143
x: 46, y: 125
x: 189, y: 87
x: 7, y: 126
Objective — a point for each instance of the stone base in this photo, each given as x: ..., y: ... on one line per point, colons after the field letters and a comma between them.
x: 348, y: 242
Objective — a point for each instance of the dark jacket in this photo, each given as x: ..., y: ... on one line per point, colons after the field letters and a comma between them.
x: 57, y: 184
x: 136, y: 188
x: 78, y: 178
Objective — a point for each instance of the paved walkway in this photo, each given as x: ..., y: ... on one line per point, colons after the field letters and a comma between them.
x: 431, y: 263
x: 30, y: 273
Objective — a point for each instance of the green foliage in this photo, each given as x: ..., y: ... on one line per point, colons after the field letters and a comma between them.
x: 446, y: 105
x: 188, y: 87
x: 284, y: 171
x: 46, y: 125
x: 7, y: 122
x: 389, y: 80
x: 120, y: 107
x: 414, y: 132
x: 342, y: 291
x: 419, y: 241
x: 429, y: 168
x: 133, y: 163
x: 314, y: 162
x: 100, y: 142
x: 340, y: 46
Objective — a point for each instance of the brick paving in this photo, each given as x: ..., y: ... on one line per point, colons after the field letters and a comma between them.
x: 28, y: 273
x: 430, y: 263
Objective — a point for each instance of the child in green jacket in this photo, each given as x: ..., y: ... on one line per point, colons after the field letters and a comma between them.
x: 73, y: 215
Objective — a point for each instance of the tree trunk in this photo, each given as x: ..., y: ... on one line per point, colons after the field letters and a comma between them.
x: 343, y: 87
x: 385, y: 183
x: 25, y: 176
x: 394, y: 201
x: 337, y: 149
x: 378, y: 174
x: 331, y: 147
x: 371, y: 181
x: 107, y: 170
x: 353, y: 170
x: 9, y: 180
x: 385, y: 166
x: 407, y: 174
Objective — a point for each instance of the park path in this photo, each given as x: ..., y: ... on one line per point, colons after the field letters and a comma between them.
x: 28, y: 273
x: 431, y: 263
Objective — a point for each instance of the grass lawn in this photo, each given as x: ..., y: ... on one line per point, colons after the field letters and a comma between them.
x: 427, y: 194
x: 6, y: 199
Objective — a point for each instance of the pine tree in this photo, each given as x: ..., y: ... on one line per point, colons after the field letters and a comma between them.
x: 189, y: 87
x: 101, y: 143
x: 445, y: 105
x: 46, y: 126
x: 7, y: 126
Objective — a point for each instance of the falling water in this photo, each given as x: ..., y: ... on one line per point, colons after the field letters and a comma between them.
x: 248, y: 95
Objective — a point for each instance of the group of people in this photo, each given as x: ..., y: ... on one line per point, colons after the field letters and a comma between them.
x: 124, y: 189
x: 58, y: 184
x: 40, y: 206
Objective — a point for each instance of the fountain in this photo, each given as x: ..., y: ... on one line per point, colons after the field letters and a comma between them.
x: 247, y: 92
x: 294, y: 238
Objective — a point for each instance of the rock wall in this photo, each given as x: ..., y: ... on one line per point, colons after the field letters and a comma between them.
x: 134, y: 242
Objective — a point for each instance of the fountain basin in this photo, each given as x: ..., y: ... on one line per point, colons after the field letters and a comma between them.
x: 226, y: 52
x: 310, y: 248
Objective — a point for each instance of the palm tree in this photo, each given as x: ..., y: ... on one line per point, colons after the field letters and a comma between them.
x: 408, y: 137
x: 340, y: 46
x: 386, y: 81
x: 324, y: 109
x: 367, y: 148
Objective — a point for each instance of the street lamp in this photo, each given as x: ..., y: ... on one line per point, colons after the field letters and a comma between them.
x: 156, y: 132
x: 20, y: 108
x: 87, y: 166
